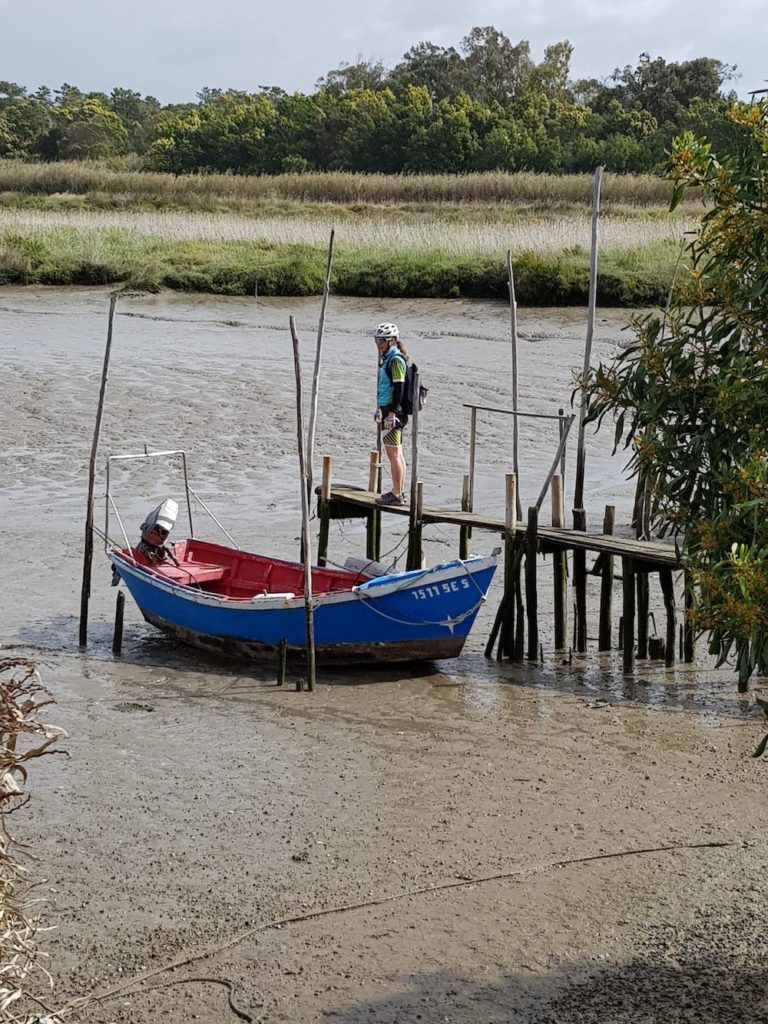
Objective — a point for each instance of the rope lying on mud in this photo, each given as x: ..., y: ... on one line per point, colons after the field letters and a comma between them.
x: 312, y: 915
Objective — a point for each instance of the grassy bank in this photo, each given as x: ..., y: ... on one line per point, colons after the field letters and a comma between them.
x: 431, y: 235
x: 66, y: 255
x: 101, y: 186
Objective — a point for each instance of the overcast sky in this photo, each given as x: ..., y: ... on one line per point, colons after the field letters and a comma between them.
x: 172, y: 48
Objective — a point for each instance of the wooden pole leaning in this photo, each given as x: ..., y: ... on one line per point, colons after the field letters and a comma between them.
x: 318, y: 362
x: 373, y: 521
x: 305, y: 537
x: 560, y: 567
x: 606, y: 585
x: 324, y: 511
x: 85, y: 593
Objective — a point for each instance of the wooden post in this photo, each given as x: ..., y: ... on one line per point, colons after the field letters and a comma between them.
x: 643, y: 612
x: 515, y: 377
x: 561, y: 427
x: 628, y: 617
x: 580, y: 582
x: 464, y: 530
x: 414, y: 518
x: 581, y: 456
x: 373, y: 522
x: 560, y: 568
x: 689, y: 647
x: 507, y: 637
x: 668, y: 590
x: 472, y: 446
x: 282, y: 657
x: 606, y: 585
x: 85, y: 593
x: 531, y: 596
x: 305, y: 537
x: 324, y: 511
x: 316, y: 376
x: 414, y: 557
x: 117, y: 637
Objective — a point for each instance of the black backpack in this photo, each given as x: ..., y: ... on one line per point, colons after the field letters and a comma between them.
x: 410, y: 377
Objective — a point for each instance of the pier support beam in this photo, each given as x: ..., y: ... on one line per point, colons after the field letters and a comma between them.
x: 606, y: 586
x: 373, y: 523
x: 531, y: 595
x: 560, y: 568
x: 324, y: 511
x: 580, y: 582
x: 668, y: 590
x: 628, y: 618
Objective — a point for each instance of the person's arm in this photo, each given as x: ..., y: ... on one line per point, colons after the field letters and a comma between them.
x: 398, y: 370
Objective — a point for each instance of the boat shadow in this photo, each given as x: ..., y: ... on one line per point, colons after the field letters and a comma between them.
x: 145, y: 646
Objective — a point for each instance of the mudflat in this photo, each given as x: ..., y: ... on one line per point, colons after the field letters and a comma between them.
x: 460, y: 842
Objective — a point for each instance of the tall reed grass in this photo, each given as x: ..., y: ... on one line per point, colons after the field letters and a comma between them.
x: 338, y: 187
x: 372, y: 233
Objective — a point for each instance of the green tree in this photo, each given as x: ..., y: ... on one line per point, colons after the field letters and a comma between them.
x: 87, y: 130
x: 441, y: 71
x: 691, y: 395
x: 497, y: 70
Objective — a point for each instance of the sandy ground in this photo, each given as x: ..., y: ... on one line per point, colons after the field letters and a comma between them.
x: 472, y: 843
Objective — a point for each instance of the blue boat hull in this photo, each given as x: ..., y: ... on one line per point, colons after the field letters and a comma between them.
x: 426, y: 614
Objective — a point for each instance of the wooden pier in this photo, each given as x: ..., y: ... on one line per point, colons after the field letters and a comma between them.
x: 523, y: 542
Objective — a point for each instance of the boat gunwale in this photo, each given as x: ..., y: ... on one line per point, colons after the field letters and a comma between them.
x: 270, y: 602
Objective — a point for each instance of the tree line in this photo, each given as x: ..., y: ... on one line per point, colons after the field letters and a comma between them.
x: 486, y: 105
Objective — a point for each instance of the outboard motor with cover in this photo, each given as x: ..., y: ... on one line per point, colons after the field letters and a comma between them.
x: 155, y: 530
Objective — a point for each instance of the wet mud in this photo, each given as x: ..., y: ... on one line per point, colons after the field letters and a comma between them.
x: 464, y: 841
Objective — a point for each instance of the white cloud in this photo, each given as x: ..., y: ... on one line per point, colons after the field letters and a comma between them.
x: 173, y: 48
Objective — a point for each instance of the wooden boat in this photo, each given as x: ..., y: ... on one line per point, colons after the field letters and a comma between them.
x: 227, y: 600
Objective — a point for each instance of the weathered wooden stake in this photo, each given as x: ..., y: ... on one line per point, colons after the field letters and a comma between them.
x: 668, y: 590
x: 373, y: 523
x: 318, y: 361
x: 628, y: 617
x: 515, y: 379
x: 414, y: 557
x: 282, y: 658
x: 85, y: 593
x: 643, y: 610
x: 117, y: 637
x: 324, y: 511
x: 581, y: 456
x: 606, y: 586
x: 305, y: 536
x: 580, y: 583
x: 464, y: 531
x: 414, y: 519
x: 531, y: 596
x: 560, y: 567
x: 689, y: 647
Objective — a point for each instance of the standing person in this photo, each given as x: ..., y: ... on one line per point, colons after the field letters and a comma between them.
x: 393, y: 366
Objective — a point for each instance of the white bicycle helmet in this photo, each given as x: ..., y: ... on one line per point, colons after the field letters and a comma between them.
x: 384, y: 331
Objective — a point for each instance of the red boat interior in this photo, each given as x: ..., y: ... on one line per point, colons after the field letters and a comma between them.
x: 240, y: 575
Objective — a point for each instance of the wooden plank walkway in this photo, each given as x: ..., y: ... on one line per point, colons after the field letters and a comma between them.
x: 653, y: 554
